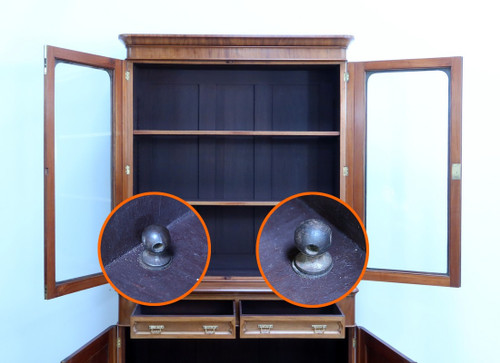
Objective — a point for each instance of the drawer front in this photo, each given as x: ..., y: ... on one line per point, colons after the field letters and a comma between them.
x: 262, y: 327
x: 183, y: 327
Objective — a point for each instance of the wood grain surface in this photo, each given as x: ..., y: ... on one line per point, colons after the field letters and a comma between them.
x: 247, y: 48
x: 277, y: 250
x: 121, y: 249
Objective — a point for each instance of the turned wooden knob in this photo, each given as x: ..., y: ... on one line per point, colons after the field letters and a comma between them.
x: 313, y: 238
x: 156, y: 241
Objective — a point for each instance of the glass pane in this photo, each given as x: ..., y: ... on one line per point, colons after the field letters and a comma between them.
x: 83, y: 182
x: 407, y: 170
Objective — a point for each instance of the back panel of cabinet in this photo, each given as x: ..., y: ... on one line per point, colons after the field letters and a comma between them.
x: 234, y: 141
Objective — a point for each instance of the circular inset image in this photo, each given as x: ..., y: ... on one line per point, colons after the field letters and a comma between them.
x: 154, y: 249
x: 312, y: 249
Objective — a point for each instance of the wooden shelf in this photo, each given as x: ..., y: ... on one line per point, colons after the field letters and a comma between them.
x: 234, y: 203
x: 233, y: 133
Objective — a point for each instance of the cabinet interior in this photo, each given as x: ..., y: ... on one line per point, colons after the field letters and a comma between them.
x: 234, y: 140
x: 188, y: 307
x: 280, y: 307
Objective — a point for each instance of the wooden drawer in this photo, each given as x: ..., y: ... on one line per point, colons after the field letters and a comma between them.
x: 279, y: 319
x: 185, y: 319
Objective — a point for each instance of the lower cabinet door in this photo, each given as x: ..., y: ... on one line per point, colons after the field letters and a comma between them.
x: 189, y: 319
x: 101, y: 349
x: 371, y: 349
x: 279, y: 319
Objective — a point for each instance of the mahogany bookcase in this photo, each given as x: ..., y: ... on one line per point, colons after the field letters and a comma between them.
x: 233, y: 125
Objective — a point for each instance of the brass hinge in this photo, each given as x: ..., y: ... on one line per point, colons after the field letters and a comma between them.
x: 45, y: 60
x: 345, y: 171
x: 127, y: 169
x: 127, y: 75
x: 354, y: 343
x: 118, y: 343
x: 346, y: 77
x: 456, y: 171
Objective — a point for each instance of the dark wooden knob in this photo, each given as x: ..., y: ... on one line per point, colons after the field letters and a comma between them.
x: 156, y: 241
x: 313, y: 238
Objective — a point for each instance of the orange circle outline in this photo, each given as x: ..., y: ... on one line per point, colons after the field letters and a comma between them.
x: 257, y: 252
x: 206, y: 264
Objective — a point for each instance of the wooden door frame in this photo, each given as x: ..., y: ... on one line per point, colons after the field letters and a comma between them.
x: 53, y: 56
x: 356, y: 159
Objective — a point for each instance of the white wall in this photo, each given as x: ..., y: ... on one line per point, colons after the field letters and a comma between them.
x: 430, y: 324
x: 33, y: 329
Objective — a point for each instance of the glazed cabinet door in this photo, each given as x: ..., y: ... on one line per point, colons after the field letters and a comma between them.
x: 101, y: 349
x: 404, y: 132
x: 82, y: 164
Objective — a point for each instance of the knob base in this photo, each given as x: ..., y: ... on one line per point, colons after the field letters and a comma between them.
x: 312, y: 267
x: 156, y: 241
x: 155, y: 261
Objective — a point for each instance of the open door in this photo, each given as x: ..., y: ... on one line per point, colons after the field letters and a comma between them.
x: 101, y: 349
x: 370, y: 349
x: 404, y: 124
x: 82, y: 164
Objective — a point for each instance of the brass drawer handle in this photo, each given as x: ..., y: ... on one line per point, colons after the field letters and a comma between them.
x: 318, y: 329
x: 156, y: 329
x: 210, y: 329
x: 265, y: 328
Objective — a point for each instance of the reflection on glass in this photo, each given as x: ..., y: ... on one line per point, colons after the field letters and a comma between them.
x: 82, y: 166
x: 406, y: 170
